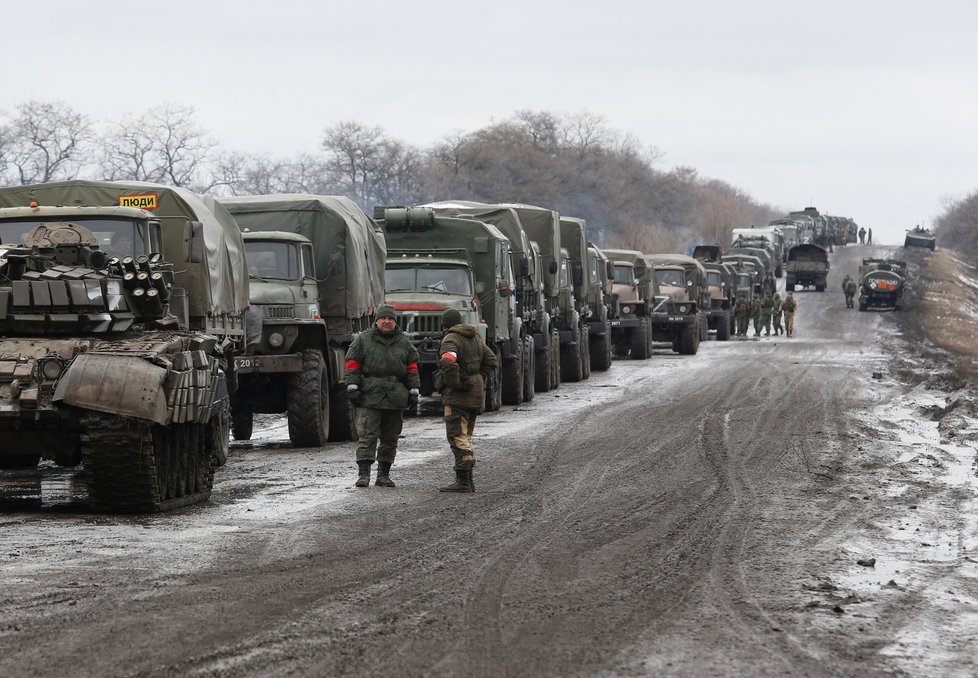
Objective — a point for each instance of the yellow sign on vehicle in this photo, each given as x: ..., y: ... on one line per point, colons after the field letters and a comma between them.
x: 144, y: 201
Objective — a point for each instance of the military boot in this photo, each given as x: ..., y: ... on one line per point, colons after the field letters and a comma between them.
x: 383, y: 474
x: 363, y: 479
x: 463, y: 483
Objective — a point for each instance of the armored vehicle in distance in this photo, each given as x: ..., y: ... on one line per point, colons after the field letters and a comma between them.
x: 919, y: 236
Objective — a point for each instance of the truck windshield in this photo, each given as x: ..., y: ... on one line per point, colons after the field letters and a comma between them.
x: 118, y: 237
x: 713, y: 278
x: 669, y: 278
x: 442, y: 279
x: 624, y: 275
x: 274, y: 260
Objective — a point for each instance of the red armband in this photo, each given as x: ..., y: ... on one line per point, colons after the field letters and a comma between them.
x: 352, y: 365
x: 450, y: 355
x: 412, y: 367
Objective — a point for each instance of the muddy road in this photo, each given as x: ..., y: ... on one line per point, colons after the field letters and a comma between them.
x: 767, y: 507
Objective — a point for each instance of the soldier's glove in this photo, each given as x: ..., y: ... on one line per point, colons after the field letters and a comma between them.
x: 354, y: 395
x: 412, y: 398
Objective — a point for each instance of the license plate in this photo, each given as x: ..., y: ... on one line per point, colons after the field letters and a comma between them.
x: 248, y: 363
x: 616, y: 323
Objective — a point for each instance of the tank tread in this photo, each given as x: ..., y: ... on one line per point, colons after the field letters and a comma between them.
x: 133, y: 466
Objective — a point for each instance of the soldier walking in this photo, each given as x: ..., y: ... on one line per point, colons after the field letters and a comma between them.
x: 788, y: 308
x: 742, y: 312
x: 756, y: 316
x: 849, y: 288
x: 776, y: 314
x: 382, y: 380
x: 465, y: 362
x: 862, y: 235
x: 869, y: 236
x: 767, y: 310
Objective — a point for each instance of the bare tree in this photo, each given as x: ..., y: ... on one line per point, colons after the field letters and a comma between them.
x: 164, y: 144
x: 46, y: 142
x: 352, y: 151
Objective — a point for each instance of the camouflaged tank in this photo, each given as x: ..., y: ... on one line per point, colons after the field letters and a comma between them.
x: 97, y: 366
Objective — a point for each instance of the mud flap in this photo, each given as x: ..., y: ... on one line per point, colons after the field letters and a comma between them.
x: 115, y: 384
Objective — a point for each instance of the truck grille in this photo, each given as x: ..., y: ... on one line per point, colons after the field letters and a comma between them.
x: 427, y: 323
x: 286, y: 311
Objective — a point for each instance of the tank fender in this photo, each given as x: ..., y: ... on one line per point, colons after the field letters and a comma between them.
x: 115, y: 384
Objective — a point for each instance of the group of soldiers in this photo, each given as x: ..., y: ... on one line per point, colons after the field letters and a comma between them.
x: 766, y: 312
x: 382, y: 381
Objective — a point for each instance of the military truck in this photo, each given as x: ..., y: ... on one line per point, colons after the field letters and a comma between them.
x: 633, y: 290
x: 316, y: 265
x: 768, y: 237
x: 531, y: 305
x: 762, y: 280
x: 881, y: 283
x: 587, y: 298
x: 721, y: 279
x: 808, y: 266
x: 601, y: 274
x: 919, y: 236
x: 436, y: 262
x: 679, y: 315
x: 118, y: 329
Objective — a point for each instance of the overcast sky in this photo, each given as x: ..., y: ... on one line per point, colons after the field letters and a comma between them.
x: 864, y: 109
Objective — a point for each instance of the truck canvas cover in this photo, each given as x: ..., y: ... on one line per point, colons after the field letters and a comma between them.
x: 349, y: 246
x: 224, y: 261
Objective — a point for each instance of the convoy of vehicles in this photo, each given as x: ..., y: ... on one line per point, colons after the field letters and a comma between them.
x: 679, y: 314
x: 633, y: 291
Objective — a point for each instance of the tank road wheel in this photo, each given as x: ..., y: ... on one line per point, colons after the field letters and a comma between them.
x: 585, y: 353
x: 723, y: 327
x: 133, y: 466
x: 543, y: 380
x: 640, y: 341
x: 689, y: 340
x: 341, y: 426
x: 242, y: 423
x: 529, y: 369
x: 512, y: 376
x: 570, y: 360
x: 308, y: 402
x: 494, y: 387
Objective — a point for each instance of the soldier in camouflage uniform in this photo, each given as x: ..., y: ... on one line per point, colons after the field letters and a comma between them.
x: 776, y: 314
x: 788, y: 308
x: 742, y: 311
x: 382, y: 380
x: 849, y: 288
x: 756, y: 316
x: 465, y: 362
x: 767, y: 310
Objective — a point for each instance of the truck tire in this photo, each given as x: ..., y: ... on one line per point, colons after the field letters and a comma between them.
x: 219, y: 434
x: 862, y: 304
x: 529, y: 369
x: 819, y: 288
x: 585, y: 354
x: 789, y: 287
x: 554, y: 361
x: 570, y: 360
x: 689, y: 340
x: 542, y: 374
x: 494, y: 387
x: 341, y: 424
x: 600, y: 351
x: 307, y: 399
x: 640, y: 341
x: 723, y: 327
x: 242, y: 423
x: 512, y: 376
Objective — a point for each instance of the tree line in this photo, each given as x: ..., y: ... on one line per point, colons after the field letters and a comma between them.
x: 573, y: 163
x: 957, y: 225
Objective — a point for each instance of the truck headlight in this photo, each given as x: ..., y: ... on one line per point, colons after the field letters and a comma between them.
x: 626, y: 310
x: 276, y: 339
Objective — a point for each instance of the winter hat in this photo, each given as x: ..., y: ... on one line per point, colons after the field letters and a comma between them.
x: 386, y: 311
x: 451, y: 318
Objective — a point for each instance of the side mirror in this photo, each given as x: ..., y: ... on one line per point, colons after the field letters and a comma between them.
x: 611, y: 271
x: 553, y: 268
x: 524, y: 266
x: 578, y: 275
x: 193, y: 242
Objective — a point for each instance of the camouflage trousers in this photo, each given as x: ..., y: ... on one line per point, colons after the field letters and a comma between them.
x: 776, y: 322
x: 757, y: 324
x: 789, y: 322
x: 743, y: 322
x: 766, y: 322
x: 373, y: 425
x: 459, y: 426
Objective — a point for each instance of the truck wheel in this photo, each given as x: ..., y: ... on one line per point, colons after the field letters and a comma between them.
x: 308, y: 402
x: 601, y: 353
x: 689, y: 340
x: 723, y: 327
x: 789, y: 287
x: 341, y: 425
x: 554, y: 361
x: 542, y: 379
x: 242, y: 423
x: 219, y: 434
x: 640, y: 341
x: 512, y: 376
x: 819, y: 288
x: 862, y: 304
x: 570, y: 360
x: 529, y: 369
x: 494, y: 387
x: 585, y: 354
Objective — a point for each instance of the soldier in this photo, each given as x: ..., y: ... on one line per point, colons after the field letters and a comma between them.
x: 767, y: 310
x: 849, y: 288
x: 869, y: 236
x: 776, y: 314
x: 382, y: 380
x: 788, y: 308
x: 862, y: 235
x: 756, y: 316
x: 742, y: 312
x: 464, y: 364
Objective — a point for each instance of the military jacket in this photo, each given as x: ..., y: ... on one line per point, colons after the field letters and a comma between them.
x: 788, y: 306
x: 384, y: 367
x: 464, y: 364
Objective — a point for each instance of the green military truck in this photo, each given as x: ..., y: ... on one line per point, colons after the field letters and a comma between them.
x: 584, y: 296
x: 531, y: 309
x: 881, y: 283
x: 316, y: 265
x: 600, y: 272
x: 118, y: 330
x: 808, y: 266
x: 721, y: 279
x: 437, y: 262
x: 633, y: 291
x: 679, y: 315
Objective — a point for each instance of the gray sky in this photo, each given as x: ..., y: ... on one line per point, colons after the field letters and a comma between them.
x: 864, y: 109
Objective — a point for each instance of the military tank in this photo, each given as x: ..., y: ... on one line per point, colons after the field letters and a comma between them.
x: 919, y: 236
x: 97, y: 366
x: 881, y: 283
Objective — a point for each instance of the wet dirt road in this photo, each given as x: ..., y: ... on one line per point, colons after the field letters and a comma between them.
x: 681, y: 516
